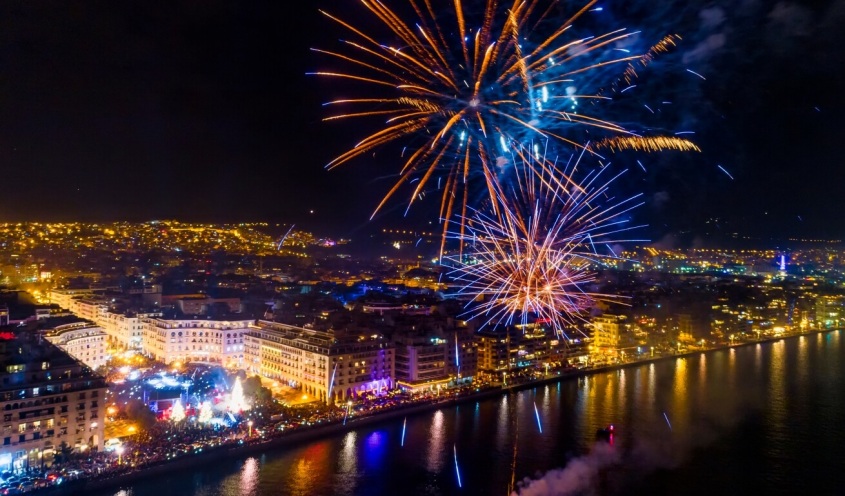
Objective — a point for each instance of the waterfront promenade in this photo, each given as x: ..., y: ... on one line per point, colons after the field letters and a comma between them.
x: 242, y: 447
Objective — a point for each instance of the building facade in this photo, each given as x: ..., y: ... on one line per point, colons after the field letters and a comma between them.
x: 126, y: 330
x: 520, y: 347
x: 84, y: 341
x: 606, y: 331
x: 195, y: 340
x: 428, y: 360
x: 330, y: 366
x: 47, y: 398
x: 64, y: 297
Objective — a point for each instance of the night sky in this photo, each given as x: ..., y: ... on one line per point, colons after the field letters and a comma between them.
x: 202, y: 111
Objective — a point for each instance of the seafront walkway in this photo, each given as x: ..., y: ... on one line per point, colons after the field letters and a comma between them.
x: 190, y: 450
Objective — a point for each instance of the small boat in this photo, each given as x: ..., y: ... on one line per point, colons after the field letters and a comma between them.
x: 605, y: 434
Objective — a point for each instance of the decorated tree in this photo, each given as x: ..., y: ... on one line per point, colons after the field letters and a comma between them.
x: 205, y: 413
x: 178, y: 412
x: 237, y: 402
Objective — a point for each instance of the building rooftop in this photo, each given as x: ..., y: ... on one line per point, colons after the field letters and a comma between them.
x: 22, y: 352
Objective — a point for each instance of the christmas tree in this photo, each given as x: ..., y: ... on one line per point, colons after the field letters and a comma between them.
x: 237, y: 403
x: 178, y: 412
x: 205, y: 413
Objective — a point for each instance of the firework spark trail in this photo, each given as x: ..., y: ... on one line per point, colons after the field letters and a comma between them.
x: 457, y: 355
x: 331, y: 382
x: 697, y: 74
x: 725, y: 171
x: 647, y: 143
x: 511, y: 76
x: 285, y: 237
x: 404, y: 427
x: 457, y: 469
x: 667, y: 420
x: 537, y: 414
x: 531, y: 256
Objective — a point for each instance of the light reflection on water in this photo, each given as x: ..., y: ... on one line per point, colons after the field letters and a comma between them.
x: 437, y: 440
x: 759, y: 419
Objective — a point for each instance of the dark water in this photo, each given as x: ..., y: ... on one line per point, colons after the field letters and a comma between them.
x: 761, y: 419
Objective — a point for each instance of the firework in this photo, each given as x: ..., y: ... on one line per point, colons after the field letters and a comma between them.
x: 460, y: 89
x: 531, y: 253
x: 647, y: 144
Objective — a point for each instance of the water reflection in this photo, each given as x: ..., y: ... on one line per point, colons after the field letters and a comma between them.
x: 680, y: 405
x: 348, y: 464
x: 502, y: 421
x: 651, y: 384
x: 375, y: 449
x: 737, y: 415
x: 249, y: 477
x: 437, y: 440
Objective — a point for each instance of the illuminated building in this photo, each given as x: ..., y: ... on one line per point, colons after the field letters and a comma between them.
x: 606, y: 331
x: 64, y: 297
x: 518, y: 347
x: 84, y: 341
x: 89, y: 308
x: 429, y: 359
x: 330, y: 366
x: 46, y: 398
x: 830, y: 311
x: 126, y: 329
x: 195, y: 340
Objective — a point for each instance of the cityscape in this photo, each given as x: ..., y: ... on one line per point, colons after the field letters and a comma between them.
x: 441, y: 247
x: 243, y: 339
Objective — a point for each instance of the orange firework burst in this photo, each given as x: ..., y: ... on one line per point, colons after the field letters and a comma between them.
x: 647, y: 144
x: 533, y: 255
x: 461, y: 91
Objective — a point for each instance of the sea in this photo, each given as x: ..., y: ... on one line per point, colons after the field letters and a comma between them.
x: 765, y: 418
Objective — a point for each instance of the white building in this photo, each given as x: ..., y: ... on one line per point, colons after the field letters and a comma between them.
x: 195, y: 340
x: 126, y: 329
x: 46, y: 398
x: 90, y: 308
x: 329, y: 366
x: 83, y: 341
x: 64, y: 297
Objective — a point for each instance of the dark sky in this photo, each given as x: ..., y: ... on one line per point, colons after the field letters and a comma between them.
x: 202, y: 111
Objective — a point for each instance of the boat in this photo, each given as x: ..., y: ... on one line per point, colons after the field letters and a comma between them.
x: 605, y: 434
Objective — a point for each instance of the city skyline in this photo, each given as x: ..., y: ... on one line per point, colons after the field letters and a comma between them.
x: 208, y: 114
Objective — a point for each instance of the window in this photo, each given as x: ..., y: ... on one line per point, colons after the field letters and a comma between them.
x: 22, y: 427
x: 22, y: 438
x: 7, y: 441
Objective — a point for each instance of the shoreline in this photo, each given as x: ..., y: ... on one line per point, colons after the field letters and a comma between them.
x: 302, y: 435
